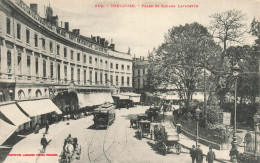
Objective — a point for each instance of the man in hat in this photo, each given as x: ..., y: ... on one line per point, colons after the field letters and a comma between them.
x: 193, y: 153
x: 210, y: 156
x: 44, y: 143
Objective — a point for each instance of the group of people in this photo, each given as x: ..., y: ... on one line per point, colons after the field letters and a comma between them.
x: 197, y: 155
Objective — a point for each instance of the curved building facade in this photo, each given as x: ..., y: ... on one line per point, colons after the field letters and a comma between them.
x: 40, y: 59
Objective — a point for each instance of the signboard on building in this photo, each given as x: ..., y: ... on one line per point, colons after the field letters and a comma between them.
x: 225, y: 118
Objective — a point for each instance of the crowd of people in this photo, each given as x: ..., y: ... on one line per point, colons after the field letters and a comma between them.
x: 196, y: 154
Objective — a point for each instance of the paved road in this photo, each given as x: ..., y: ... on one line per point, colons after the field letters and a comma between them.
x: 116, y: 144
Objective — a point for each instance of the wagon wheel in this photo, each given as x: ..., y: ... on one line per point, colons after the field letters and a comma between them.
x: 164, y: 149
x: 178, y: 148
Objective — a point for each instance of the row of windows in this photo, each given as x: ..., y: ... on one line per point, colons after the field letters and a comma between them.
x: 51, y: 47
x: 44, y: 64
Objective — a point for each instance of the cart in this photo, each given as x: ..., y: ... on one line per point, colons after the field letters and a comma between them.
x: 165, y: 141
x: 135, y: 120
x: 69, y: 157
x: 144, y: 128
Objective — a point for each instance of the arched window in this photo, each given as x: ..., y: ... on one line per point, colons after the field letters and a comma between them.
x: 21, y: 94
x: 38, y: 93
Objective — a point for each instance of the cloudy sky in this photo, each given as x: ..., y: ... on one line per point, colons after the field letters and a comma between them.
x: 139, y: 28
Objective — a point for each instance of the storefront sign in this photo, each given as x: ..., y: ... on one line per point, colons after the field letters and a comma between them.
x: 225, y: 118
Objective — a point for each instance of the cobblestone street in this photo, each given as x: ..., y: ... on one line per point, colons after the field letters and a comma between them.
x: 116, y: 144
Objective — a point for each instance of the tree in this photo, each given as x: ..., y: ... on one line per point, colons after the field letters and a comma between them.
x: 180, y: 59
x: 228, y: 27
x: 255, y: 30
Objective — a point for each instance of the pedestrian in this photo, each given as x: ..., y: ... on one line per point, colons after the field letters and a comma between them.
x: 67, y: 140
x: 193, y: 153
x: 199, y: 153
x: 248, y: 139
x: 69, y: 151
x: 46, y: 127
x: 44, y: 143
x: 210, y: 156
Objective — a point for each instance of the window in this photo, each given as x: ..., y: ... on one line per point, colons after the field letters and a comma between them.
x: 58, y: 49
x: 58, y: 69
x: 72, y: 73
x: 71, y: 54
x: 65, y: 53
x: 51, y: 47
x: 96, y: 77
x: 35, y: 40
x: 78, y: 57
x: 96, y: 61
x: 43, y: 44
x: 138, y: 82
x: 143, y: 71
x: 51, y: 69
x: 85, y: 76
x: 128, y: 67
x: 85, y: 59
x: 37, y: 66
x: 65, y: 72
x: 28, y: 64
x: 122, y: 80
x: 78, y: 75
x: 117, y: 66
x: 44, y: 68
x: 101, y: 78
x: 106, y: 78
x: 8, y: 26
x: 101, y: 62
x: 128, y: 81
x: 111, y: 65
x: 19, y: 63
x: 9, y: 61
x: 122, y: 67
x: 18, y: 31
x: 90, y: 60
x: 90, y: 77
x: 29, y: 92
x: 138, y: 72
x: 27, y: 36
x: 116, y: 80
x: 106, y: 63
x: 111, y: 79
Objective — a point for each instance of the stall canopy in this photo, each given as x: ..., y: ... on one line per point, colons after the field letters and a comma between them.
x: 39, y: 107
x: 132, y: 96
x: 93, y: 99
x: 13, y: 113
x: 6, y: 130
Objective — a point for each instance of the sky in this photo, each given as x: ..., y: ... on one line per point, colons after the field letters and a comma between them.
x: 140, y: 28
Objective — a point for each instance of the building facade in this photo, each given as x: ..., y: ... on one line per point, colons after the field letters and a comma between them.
x: 140, y: 68
x: 40, y: 59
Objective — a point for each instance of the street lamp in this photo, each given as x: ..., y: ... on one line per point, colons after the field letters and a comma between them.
x: 235, y: 71
x: 256, y: 121
x: 197, y: 120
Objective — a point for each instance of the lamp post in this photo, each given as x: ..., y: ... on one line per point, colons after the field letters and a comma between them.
x: 235, y: 70
x: 256, y: 121
x: 197, y: 128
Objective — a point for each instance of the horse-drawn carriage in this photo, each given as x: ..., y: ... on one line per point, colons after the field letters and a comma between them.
x: 144, y: 128
x: 135, y: 120
x: 165, y: 141
x: 71, y: 150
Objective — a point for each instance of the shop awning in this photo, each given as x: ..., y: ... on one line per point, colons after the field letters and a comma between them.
x: 39, y: 107
x: 52, y: 106
x: 82, y: 100
x: 6, y: 130
x: 93, y: 99
x: 13, y: 113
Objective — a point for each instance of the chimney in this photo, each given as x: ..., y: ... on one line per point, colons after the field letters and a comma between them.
x: 34, y: 7
x: 66, y: 26
x: 76, y: 31
x: 102, y: 41
x: 93, y: 38
x: 98, y: 39
x: 112, y: 47
x: 106, y: 44
x: 61, y: 24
